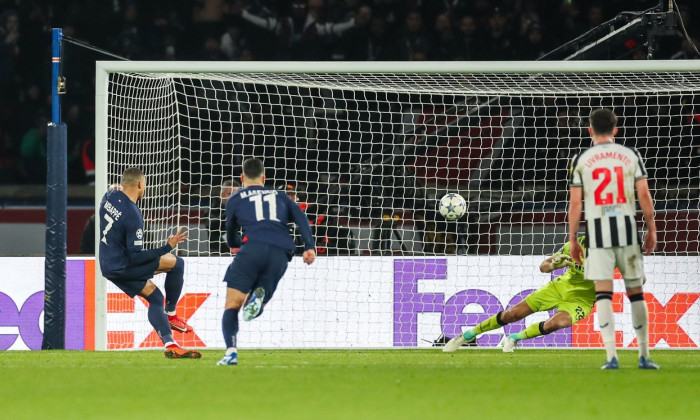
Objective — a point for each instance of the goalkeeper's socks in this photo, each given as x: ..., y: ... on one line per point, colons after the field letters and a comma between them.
x: 640, y: 322
x: 470, y: 334
x: 229, y: 326
x: 606, y: 323
x: 173, y: 285
x: 492, y: 323
x: 532, y: 331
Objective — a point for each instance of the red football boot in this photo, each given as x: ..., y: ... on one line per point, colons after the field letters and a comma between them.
x: 174, y: 351
x: 179, y: 325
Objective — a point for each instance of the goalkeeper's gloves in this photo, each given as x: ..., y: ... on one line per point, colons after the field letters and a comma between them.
x: 561, y: 260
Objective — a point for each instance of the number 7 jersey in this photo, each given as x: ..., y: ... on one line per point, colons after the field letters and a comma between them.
x: 607, y: 172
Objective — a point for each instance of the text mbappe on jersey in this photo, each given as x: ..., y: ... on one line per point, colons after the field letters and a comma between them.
x: 112, y: 210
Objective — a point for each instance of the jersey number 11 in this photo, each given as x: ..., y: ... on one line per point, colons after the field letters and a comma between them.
x: 271, y: 200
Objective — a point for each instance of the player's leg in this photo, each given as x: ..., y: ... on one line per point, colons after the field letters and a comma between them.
x: 229, y: 325
x: 543, y: 299
x: 174, y: 279
x: 632, y: 270
x: 600, y: 267
x: 159, y: 321
x: 274, y: 269
x: 239, y: 278
x: 512, y: 314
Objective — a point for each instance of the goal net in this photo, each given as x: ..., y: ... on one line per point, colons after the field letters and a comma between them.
x: 367, y: 150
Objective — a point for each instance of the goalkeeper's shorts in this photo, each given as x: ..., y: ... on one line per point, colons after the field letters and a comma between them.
x: 576, y: 302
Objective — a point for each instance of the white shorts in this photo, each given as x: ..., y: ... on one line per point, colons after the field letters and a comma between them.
x: 601, y: 263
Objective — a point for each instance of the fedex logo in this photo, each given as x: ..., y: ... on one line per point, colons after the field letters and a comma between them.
x: 120, y: 303
x: 21, y: 321
x: 408, y: 303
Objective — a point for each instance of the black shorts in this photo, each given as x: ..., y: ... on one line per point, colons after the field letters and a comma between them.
x: 257, y: 265
x: 132, y: 280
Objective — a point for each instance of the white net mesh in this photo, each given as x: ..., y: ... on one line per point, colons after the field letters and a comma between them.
x: 367, y: 156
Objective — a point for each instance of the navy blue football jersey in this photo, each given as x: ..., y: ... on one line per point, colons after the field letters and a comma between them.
x: 121, y: 235
x: 264, y: 214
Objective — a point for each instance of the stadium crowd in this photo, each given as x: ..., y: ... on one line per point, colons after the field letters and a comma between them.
x: 257, y: 30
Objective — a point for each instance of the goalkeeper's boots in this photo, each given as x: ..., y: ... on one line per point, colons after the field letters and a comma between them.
x: 611, y: 365
x: 509, y: 344
x: 458, y: 342
x: 229, y: 360
x: 645, y: 363
x: 252, y: 309
x: 174, y: 351
x: 179, y: 325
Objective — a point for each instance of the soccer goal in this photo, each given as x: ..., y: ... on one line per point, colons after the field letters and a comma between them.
x: 367, y: 149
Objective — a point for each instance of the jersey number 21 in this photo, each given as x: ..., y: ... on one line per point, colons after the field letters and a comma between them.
x: 271, y: 201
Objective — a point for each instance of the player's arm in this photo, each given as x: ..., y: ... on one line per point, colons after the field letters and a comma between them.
x: 134, y: 245
x: 305, y: 230
x: 575, y: 210
x: 304, y: 227
x: 647, y: 205
x: 233, y: 235
x: 556, y: 262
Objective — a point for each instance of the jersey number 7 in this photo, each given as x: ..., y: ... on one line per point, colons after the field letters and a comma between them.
x: 272, y: 204
x: 110, y: 221
x: 601, y: 200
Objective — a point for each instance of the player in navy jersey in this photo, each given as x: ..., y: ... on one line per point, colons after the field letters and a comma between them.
x: 265, y: 249
x: 125, y: 263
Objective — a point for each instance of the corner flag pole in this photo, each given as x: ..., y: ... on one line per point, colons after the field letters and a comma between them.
x: 56, y: 212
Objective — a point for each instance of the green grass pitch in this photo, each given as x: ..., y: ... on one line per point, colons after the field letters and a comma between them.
x: 347, y: 384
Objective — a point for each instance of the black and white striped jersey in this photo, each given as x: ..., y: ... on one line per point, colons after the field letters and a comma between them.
x: 607, y: 172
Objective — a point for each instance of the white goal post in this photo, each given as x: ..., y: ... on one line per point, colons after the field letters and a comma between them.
x: 368, y: 148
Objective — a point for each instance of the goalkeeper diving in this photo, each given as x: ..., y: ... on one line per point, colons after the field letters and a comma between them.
x: 573, y: 297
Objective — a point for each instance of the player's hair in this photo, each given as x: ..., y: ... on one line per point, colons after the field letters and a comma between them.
x: 253, y: 168
x: 132, y: 176
x: 230, y: 183
x: 603, y: 121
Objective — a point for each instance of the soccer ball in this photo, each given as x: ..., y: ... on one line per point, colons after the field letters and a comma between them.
x: 452, y: 206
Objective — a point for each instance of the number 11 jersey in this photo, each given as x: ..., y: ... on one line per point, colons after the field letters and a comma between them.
x: 607, y: 172
x: 263, y: 215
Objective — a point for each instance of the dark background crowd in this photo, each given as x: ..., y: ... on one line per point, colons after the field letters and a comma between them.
x: 259, y: 30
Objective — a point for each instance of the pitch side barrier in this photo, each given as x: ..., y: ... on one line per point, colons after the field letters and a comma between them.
x: 349, y: 302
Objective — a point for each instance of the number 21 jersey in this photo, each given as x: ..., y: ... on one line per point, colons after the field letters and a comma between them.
x: 607, y: 172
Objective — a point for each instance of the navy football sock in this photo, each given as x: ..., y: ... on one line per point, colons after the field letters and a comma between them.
x: 157, y: 317
x: 173, y: 284
x: 229, y: 325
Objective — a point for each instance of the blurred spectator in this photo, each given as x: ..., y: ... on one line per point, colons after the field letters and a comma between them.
x: 216, y: 223
x: 413, y: 43
x: 498, y: 41
x: 467, y: 39
x: 232, y: 42
x: 9, y: 45
x: 381, y: 30
x: 33, y: 152
x: 444, y: 41
x: 532, y: 44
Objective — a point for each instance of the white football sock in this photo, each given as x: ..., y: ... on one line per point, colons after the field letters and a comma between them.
x: 231, y: 350
x: 640, y: 322
x: 606, y: 321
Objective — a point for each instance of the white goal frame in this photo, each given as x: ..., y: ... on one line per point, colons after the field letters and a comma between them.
x: 104, y: 68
